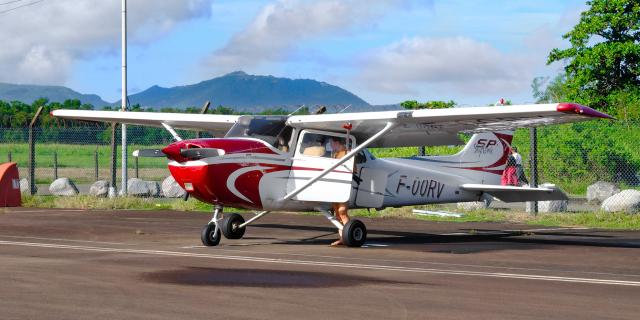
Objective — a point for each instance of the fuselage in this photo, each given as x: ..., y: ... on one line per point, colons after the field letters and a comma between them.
x: 255, y: 175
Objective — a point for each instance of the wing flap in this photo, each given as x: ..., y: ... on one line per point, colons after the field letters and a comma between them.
x: 219, y: 124
x: 518, y: 194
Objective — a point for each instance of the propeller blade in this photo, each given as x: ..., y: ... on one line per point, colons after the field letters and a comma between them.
x: 200, y: 153
x: 149, y: 153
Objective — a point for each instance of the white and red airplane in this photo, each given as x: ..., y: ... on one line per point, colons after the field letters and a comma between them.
x: 269, y: 163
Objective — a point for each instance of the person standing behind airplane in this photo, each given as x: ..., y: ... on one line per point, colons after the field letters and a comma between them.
x: 341, y: 210
x: 522, y: 179
x: 509, y: 177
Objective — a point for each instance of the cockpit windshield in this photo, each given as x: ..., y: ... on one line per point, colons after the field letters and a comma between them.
x: 267, y: 128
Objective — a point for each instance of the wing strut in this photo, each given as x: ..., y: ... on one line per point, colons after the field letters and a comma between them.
x: 173, y: 132
x: 351, y: 154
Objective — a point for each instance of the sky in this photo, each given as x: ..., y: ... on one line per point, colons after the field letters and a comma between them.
x: 384, y: 51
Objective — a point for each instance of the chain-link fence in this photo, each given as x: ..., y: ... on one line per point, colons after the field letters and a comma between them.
x: 590, y: 161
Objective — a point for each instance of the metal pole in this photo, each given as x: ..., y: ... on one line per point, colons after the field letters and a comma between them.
x: 55, y: 165
x: 124, y: 97
x: 9, y: 156
x: 137, y: 173
x: 95, y: 162
x: 32, y: 153
x: 114, y: 155
x: 533, y: 158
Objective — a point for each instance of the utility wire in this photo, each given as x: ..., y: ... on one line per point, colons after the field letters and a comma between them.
x: 9, y: 2
x: 22, y: 6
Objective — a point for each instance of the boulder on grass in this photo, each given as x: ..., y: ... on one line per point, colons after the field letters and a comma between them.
x: 63, y: 187
x: 171, y: 189
x: 99, y: 188
x: 553, y: 206
x: 24, y: 186
x: 600, y: 191
x: 138, y: 188
x: 623, y: 201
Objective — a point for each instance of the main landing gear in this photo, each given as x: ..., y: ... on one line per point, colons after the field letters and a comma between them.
x: 232, y: 226
x: 354, y: 233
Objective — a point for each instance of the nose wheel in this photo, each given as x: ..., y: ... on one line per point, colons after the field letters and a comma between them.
x: 210, y: 235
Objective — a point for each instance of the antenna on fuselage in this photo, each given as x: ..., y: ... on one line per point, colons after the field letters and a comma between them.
x: 290, y: 114
x: 345, y: 108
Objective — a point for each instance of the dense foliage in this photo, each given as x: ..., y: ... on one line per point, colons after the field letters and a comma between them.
x: 603, y: 62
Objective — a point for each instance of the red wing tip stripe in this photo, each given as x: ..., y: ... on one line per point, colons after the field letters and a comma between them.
x: 582, y: 110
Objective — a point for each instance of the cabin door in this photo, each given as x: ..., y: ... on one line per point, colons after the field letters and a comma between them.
x: 316, y: 151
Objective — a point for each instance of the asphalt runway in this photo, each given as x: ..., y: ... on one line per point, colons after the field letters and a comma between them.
x: 78, y: 264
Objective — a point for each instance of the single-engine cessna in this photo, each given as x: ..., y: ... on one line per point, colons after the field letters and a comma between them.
x: 268, y: 163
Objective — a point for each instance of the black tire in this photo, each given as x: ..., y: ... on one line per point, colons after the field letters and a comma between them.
x: 354, y: 233
x: 210, y: 237
x: 230, y: 226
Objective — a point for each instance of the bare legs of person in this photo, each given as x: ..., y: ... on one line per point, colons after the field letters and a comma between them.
x: 342, y: 214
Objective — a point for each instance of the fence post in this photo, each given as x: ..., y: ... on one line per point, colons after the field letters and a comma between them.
x: 32, y: 153
x: 9, y: 156
x: 204, y: 110
x: 95, y: 162
x: 137, y: 173
x: 55, y: 165
x: 533, y: 158
x: 114, y: 154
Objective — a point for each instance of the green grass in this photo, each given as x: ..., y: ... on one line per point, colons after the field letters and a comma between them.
x: 77, y: 156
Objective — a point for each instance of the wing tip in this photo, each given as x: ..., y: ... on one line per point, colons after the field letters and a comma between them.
x: 568, y: 107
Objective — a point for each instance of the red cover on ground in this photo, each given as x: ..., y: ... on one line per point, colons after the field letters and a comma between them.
x: 9, y: 185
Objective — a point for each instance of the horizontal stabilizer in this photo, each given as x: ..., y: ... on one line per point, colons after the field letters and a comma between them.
x: 518, y: 194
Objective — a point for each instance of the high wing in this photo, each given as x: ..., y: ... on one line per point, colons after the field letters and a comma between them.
x: 217, y: 124
x: 441, y: 126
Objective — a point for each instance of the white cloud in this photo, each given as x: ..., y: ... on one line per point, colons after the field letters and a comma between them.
x: 42, y: 42
x: 281, y: 25
x: 413, y: 65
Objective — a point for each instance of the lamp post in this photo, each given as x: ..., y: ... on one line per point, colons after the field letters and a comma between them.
x: 124, y: 97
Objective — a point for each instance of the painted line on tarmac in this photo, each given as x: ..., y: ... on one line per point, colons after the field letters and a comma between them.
x: 328, y: 264
x: 67, y: 240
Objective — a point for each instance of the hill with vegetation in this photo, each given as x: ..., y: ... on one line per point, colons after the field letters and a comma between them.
x: 248, y: 93
x: 28, y: 93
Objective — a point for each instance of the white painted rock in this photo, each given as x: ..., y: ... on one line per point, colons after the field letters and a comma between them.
x: 154, y: 188
x: 623, y: 201
x: 24, y: 186
x: 99, y: 188
x: 553, y: 206
x: 171, y: 189
x: 138, y: 188
x: 601, y: 190
x: 63, y: 187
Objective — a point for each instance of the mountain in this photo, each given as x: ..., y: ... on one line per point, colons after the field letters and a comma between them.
x: 249, y: 93
x: 29, y: 93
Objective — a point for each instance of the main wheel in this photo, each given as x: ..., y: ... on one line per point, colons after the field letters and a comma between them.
x: 210, y: 236
x: 230, y: 226
x: 354, y: 233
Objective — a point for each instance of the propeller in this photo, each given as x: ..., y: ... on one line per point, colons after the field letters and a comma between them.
x: 149, y: 153
x: 200, y: 153
x: 190, y: 153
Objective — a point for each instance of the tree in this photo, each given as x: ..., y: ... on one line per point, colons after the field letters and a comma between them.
x: 604, y: 57
x: 413, y: 105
